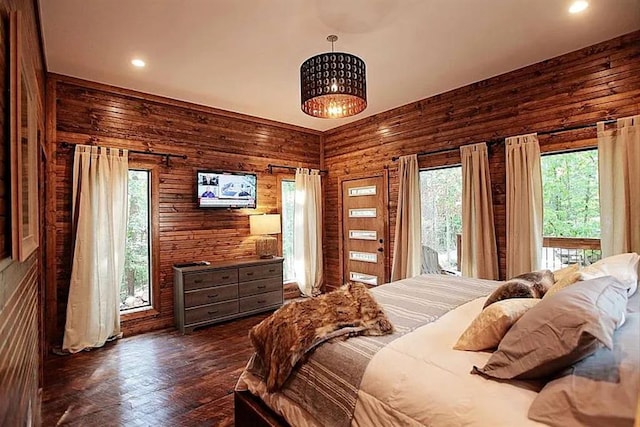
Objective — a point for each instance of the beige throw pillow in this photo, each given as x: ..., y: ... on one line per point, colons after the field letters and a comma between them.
x: 565, y: 281
x: 564, y: 272
x: 486, y: 330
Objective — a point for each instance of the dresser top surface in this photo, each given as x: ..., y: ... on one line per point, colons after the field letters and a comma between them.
x: 241, y: 262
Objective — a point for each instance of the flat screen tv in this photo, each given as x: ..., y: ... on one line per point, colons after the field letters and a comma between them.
x: 226, y: 189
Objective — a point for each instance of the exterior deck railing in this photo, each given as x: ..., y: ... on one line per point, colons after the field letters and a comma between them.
x: 558, y: 252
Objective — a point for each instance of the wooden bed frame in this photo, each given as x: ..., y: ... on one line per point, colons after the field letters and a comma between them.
x: 250, y: 411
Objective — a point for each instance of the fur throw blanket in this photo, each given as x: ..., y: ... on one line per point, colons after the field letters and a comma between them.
x: 527, y: 285
x: 283, y: 338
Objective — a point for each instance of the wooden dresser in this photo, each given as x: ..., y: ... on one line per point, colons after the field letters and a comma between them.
x: 213, y: 293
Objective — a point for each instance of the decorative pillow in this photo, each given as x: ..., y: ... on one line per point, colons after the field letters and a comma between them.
x: 492, y: 324
x: 527, y: 285
x: 565, y: 281
x: 623, y: 267
x: 564, y: 272
x: 560, y: 331
x: 601, y: 390
x: 282, y: 339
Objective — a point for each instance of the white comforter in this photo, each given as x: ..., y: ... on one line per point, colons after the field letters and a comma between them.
x: 419, y: 379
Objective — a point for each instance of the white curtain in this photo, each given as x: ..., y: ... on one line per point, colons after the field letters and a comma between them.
x: 619, y: 181
x: 307, y: 229
x: 479, y: 252
x: 524, y: 205
x: 407, y: 249
x: 100, y: 182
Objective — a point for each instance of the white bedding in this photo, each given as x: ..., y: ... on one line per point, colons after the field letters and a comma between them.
x: 419, y: 379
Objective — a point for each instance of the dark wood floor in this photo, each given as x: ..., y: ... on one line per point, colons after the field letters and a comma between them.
x: 155, y: 379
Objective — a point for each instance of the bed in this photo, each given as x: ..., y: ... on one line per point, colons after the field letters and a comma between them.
x: 361, y: 381
x: 411, y: 377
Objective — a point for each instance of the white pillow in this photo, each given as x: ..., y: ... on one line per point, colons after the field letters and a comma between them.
x: 623, y: 267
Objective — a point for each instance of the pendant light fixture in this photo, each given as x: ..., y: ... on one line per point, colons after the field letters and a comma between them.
x: 333, y: 84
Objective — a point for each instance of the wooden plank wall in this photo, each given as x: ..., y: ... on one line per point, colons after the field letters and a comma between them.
x: 19, y: 282
x: 84, y: 112
x: 595, y: 83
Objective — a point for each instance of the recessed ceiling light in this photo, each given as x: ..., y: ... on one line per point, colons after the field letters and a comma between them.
x: 578, y: 6
x: 138, y: 62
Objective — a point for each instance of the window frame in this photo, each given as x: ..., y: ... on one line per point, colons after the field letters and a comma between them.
x: 567, y: 151
x: 280, y: 178
x: 457, y: 164
x: 153, y: 309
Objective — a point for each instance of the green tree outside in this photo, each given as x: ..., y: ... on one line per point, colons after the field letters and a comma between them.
x: 135, y: 287
x: 441, y: 199
x: 570, y: 194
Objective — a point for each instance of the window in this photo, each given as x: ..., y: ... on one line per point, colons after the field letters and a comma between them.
x: 135, y: 290
x: 571, y: 221
x: 288, y: 203
x: 441, y: 195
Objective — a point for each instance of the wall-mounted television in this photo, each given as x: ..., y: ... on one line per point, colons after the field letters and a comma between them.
x: 218, y: 189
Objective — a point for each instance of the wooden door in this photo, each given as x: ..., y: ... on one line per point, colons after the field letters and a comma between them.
x: 364, y: 230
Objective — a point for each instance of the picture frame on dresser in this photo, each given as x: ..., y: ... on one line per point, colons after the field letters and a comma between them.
x: 23, y: 148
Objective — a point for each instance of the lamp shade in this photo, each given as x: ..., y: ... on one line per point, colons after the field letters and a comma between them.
x: 333, y: 84
x: 264, y: 224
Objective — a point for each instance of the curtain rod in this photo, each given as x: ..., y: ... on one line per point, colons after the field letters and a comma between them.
x: 271, y: 167
x: 501, y: 139
x: 167, y: 156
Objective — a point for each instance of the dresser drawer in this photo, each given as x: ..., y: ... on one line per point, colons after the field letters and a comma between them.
x: 260, y: 286
x: 207, y: 279
x: 261, y: 300
x: 210, y: 295
x: 208, y: 312
x: 259, y: 272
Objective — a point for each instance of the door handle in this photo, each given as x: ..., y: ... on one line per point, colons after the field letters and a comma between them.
x: 380, y: 249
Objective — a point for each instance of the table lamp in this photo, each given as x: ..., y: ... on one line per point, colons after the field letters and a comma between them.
x: 263, y: 226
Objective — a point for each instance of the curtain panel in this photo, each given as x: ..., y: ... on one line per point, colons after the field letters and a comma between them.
x: 479, y: 252
x: 99, y: 214
x: 407, y: 250
x: 619, y: 182
x: 307, y: 226
x: 524, y: 204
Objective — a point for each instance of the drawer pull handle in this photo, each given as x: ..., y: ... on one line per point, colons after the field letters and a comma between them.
x: 225, y: 277
x: 262, y: 301
x: 212, y: 296
x: 212, y: 312
x: 262, y: 286
x: 197, y: 281
x: 272, y: 270
x: 249, y: 274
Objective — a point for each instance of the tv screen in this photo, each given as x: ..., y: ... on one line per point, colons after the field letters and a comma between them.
x: 226, y: 189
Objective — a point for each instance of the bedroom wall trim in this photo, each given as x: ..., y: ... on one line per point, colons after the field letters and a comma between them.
x: 51, y: 294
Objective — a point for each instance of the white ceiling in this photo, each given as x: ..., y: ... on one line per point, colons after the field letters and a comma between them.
x: 245, y: 56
